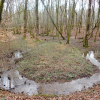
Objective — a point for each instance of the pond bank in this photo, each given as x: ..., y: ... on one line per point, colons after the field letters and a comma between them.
x: 12, y: 81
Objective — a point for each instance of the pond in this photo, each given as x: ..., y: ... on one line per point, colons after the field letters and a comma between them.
x: 11, y: 80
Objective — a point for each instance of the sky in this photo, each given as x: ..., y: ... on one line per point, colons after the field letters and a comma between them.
x: 31, y: 4
x: 78, y: 6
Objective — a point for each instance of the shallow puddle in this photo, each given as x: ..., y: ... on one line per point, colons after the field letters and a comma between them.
x: 69, y: 87
x: 12, y: 81
x: 18, y: 55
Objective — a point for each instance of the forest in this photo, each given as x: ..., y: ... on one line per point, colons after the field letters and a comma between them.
x: 49, y: 49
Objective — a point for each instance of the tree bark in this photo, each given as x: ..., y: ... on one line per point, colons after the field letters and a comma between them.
x: 70, y: 21
x: 37, y: 18
x: 1, y: 9
x: 25, y: 19
x: 65, y: 14
x: 99, y: 16
x: 85, y: 42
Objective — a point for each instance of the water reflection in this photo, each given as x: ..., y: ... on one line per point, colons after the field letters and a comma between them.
x: 69, y: 87
x: 11, y: 80
x: 90, y: 56
x: 18, y: 55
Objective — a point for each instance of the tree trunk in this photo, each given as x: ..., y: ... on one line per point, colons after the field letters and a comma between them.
x: 57, y: 17
x: 1, y: 9
x: 47, y: 28
x: 25, y: 19
x: 80, y: 19
x: 52, y: 20
x: 37, y: 18
x: 65, y: 14
x: 70, y: 21
x: 85, y: 42
x: 99, y: 16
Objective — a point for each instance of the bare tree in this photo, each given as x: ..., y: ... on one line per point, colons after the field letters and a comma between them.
x: 65, y: 14
x: 85, y: 41
x: 25, y: 19
x: 98, y: 22
x: 70, y: 20
x: 1, y: 9
x: 37, y: 18
x: 80, y: 19
x: 52, y: 20
x: 57, y: 19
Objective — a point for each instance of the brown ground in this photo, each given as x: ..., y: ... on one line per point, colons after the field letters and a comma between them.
x: 78, y: 41
x: 89, y: 94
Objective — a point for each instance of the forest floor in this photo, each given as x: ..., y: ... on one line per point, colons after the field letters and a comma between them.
x: 60, y: 56
x: 48, y: 61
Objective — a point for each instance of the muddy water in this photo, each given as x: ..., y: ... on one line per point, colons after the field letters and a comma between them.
x: 12, y: 81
